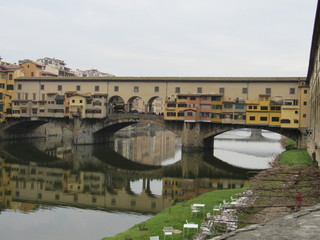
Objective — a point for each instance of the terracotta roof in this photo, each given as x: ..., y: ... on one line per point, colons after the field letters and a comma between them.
x: 48, y: 73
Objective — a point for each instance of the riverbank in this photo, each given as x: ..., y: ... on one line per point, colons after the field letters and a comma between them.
x: 275, y: 189
x: 176, y: 216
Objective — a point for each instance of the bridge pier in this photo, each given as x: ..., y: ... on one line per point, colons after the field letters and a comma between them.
x: 192, y: 137
x: 302, y: 141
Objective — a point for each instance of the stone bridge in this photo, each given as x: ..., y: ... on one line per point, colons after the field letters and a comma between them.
x: 195, y: 135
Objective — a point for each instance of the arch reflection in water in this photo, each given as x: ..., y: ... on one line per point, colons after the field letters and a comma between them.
x: 52, y: 172
x: 104, y: 181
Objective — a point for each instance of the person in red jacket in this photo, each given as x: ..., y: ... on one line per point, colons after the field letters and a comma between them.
x: 298, y: 201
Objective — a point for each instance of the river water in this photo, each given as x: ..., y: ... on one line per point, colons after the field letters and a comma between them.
x: 51, y: 189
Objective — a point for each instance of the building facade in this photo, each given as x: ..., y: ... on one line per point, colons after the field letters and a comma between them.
x: 313, y: 80
x: 8, y: 72
x: 277, y: 102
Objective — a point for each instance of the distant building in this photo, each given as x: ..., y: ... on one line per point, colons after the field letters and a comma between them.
x: 55, y: 67
x: 91, y: 73
x: 31, y: 68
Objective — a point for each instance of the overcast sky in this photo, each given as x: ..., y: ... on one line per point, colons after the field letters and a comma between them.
x: 163, y: 37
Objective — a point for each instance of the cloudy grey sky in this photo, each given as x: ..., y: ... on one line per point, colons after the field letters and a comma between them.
x: 163, y: 37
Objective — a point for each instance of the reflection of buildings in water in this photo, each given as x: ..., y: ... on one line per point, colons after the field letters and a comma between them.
x: 184, y: 189
x: 146, y: 144
x: 24, y: 186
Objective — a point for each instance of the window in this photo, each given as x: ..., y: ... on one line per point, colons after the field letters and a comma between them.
x: 177, y: 90
x: 59, y: 87
x: 10, y: 77
x: 19, y: 96
x: 171, y: 114
x: 227, y: 105
x: 73, y: 101
x: 32, y: 73
x: 171, y: 105
x: 180, y: 114
x: 41, y: 87
x: 133, y: 203
x: 43, y: 97
x: 19, y: 86
x: 1, y: 95
x: 263, y: 119
x: 80, y: 101
x: 244, y: 90
x: 304, y: 115
x: 113, y: 201
x: 275, y: 119
x: 305, y: 91
x: 156, y: 89
x: 285, y: 121
x: 199, y: 90
x: 183, y: 105
x: 96, y: 88
x: 305, y: 103
x: 275, y: 108
x: 268, y: 90
x: 34, y: 96
x: 192, y: 98
x: 182, y: 97
x: 239, y: 106
x: 252, y: 118
x: 292, y: 90
x: 264, y: 108
x: 116, y: 88
x: 78, y: 88
x: 2, y: 85
x: 216, y: 106
x: 296, y: 121
x: 10, y: 87
x: 26, y: 96
x: 216, y: 98
x: 136, y: 89
x: 221, y: 90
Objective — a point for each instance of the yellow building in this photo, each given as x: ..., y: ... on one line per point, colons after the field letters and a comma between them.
x: 8, y: 72
x: 31, y: 68
x: 216, y: 105
x: 257, y: 111
x: 290, y: 114
x: 77, y: 106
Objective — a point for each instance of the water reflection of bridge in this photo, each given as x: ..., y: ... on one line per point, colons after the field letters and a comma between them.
x: 105, y: 181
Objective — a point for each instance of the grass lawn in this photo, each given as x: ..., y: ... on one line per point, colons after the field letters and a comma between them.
x: 295, y: 157
x: 176, y: 216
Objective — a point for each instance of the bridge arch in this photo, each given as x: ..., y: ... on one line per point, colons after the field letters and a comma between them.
x: 116, y: 104
x: 294, y: 134
x: 136, y: 103
x: 155, y: 105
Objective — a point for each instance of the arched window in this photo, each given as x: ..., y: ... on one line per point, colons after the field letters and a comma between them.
x: 10, y: 77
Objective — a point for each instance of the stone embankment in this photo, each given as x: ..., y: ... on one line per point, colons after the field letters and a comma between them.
x: 303, y: 224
